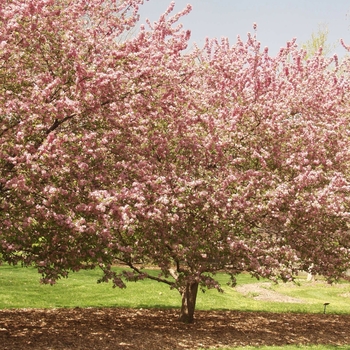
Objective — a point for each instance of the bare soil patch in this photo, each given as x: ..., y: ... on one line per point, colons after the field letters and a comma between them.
x: 153, y: 329
x: 261, y: 291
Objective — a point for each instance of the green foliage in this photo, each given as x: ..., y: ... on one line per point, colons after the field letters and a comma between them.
x: 319, y: 39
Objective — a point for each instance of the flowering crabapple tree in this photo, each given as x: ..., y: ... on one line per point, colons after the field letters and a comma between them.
x: 120, y: 149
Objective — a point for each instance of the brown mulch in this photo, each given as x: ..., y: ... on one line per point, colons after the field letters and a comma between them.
x: 115, y: 328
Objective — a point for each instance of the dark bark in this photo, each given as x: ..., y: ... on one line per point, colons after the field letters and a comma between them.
x: 189, y: 297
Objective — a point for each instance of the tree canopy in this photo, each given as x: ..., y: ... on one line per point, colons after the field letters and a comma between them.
x: 130, y: 150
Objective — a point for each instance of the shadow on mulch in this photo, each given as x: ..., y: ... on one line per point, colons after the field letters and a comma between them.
x: 155, y: 329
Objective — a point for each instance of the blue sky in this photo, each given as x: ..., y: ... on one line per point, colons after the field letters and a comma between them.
x: 278, y: 20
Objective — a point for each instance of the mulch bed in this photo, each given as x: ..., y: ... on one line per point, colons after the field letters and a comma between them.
x: 153, y: 329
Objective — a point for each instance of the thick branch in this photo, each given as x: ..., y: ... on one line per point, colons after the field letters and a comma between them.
x: 158, y: 279
x: 57, y: 123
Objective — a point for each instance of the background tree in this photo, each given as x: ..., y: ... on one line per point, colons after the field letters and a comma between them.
x: 131, y: 152
x: 319, y: 40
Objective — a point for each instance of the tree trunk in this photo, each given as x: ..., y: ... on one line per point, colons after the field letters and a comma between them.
x: 310, y: 275
x: 189, y: 297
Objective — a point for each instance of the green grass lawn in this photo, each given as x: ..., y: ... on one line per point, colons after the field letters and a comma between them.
x: 20, y: 288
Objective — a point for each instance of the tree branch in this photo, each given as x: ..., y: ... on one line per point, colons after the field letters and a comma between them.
x: 158, y: 279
